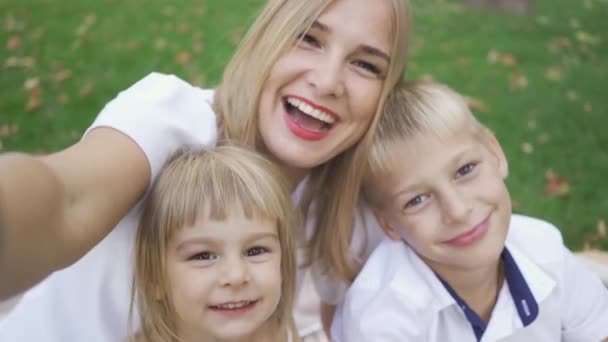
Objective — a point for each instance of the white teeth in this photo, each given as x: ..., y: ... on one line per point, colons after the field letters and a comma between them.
x: 309, y: 110
x: 235, y: 305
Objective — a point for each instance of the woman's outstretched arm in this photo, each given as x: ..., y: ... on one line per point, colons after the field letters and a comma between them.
x: 55, y: 208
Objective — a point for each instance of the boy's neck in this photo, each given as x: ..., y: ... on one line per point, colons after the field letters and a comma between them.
x: 479, y: 288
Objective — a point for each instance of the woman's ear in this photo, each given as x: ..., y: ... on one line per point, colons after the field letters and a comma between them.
x: 386, y: 226
x: 499, y: 155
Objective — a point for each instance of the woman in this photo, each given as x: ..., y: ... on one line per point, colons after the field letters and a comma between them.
x: 304, y: 88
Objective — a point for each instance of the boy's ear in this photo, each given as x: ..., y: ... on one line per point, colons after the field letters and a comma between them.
x: 386, y: 226
x: 499, y: 155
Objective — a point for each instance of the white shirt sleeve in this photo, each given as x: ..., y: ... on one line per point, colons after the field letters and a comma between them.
x: 160, y: 113
x: 585, y: 316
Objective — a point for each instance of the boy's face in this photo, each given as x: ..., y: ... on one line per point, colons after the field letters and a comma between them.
x: 225, y: 276
x: 447, y: 198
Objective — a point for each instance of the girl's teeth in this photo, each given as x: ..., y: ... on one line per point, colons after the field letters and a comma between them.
x: 309, y: 110
x: 231, y: 306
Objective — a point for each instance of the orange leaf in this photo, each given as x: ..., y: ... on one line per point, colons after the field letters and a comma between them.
x: 33, y: 103
x: 183, y: 57
x: 476, y: 104
x: 13, y: 43
x: 556, y: 185
x: 62, y: 75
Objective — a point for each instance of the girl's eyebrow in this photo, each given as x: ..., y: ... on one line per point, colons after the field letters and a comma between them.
x: 203, y: 240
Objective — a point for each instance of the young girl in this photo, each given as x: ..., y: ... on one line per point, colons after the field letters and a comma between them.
x: 214, y: 253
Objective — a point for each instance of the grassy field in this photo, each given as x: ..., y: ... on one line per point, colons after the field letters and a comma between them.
x: 538, y: 80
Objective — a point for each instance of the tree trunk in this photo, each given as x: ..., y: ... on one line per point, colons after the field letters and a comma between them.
x: 510, y: 6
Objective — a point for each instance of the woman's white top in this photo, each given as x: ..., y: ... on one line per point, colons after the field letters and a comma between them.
x: 89, y: 301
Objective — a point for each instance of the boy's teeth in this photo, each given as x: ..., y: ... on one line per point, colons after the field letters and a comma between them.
x: 309, y: 110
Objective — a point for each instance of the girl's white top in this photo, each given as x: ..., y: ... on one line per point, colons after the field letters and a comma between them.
x: 89, y: 301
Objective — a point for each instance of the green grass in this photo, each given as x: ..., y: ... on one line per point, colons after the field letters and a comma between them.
x: 121, y: 41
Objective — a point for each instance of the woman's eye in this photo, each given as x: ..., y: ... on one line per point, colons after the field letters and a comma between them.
x: 369, y: 67
x: 203, y: 256
x: 255, y: 251
x: 466, y: 169
x: 309, y: 39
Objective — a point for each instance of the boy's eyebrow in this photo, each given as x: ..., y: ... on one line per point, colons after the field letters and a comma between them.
x: 367, y: 49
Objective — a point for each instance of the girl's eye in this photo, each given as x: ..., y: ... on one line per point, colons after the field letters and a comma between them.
x: 466, y: 169
x: 255, y: 251
x: 369, y: 67
x: 419, y: 199
x: 309, y: 39
x: 203, y: 256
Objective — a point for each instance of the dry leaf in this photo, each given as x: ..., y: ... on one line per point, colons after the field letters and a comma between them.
x: 20, y: 62
x: 493, y: 56
x: 543, y: 138
x: 86, y: 89
x: 601, y: 229
x: 13, y: 43
x: 587, y: 38
x: 476, y: 104
x: 183, y: 57
x: 571, y: 95
x: 33, y: 103
x: 507, y: 59
x: 554, y: 74
x: 63, y: 99
x: 32, y: 86
x: 62, y: 75
x: 527, y: 148
x: 8, y: 130
x: 518, y: 82
x: 556, y: 185
x: 532, y: 124
x: 160, y: 44
x: 588, y: 108
x: 86, y: 24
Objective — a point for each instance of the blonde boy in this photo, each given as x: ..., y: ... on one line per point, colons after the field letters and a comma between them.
x: 458, y: 265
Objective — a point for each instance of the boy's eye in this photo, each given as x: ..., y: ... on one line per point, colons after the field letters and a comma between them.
x: 203, y: 256
x: 466, y: 169
x: 255, y: 251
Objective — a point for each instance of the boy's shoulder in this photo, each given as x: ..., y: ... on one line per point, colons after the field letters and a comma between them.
x: 537, y: 239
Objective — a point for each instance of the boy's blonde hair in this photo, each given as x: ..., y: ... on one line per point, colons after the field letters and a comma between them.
x: 335, y: 185
x: 412, y: 111
x: 212, y: 182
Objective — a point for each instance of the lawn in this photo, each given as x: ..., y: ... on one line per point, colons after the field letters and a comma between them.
x: 537, y: 80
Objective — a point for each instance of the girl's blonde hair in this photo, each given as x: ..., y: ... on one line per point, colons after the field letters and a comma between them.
x: 412, y: 111
x: 335, y: 185
x: 215, y: 181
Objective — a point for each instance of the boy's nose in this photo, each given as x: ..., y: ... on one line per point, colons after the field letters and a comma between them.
x: 456, y: 206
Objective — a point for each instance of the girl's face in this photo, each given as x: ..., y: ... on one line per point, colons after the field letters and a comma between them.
x: 224, y: 276
x: 321, y: 96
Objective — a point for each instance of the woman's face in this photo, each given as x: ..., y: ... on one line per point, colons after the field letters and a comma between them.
x: 321, y: 96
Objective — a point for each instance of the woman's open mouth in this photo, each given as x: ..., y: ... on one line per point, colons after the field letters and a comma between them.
x: 307, y: 120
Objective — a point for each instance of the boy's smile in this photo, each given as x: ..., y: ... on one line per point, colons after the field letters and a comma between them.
x: 447, y: 199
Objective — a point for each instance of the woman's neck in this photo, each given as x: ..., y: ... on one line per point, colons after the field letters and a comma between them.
x: 479, y: 288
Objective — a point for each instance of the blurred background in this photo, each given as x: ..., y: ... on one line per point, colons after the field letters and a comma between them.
x: 534, y: 71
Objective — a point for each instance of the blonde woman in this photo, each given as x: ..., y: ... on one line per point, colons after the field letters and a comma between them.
x: 304, y: 88
x: 215, y: 250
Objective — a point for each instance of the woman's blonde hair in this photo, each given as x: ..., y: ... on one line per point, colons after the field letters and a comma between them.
x: 415, y: 110
x: 237, y: 103
x: 212, y: 182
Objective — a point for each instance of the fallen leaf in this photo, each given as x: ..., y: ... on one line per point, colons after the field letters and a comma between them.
x: 556, y: 185
x: 527, y: 148
x: 86, y: 24
x: 183, y: 27
x: 32, y: 85
x: 476, y: 104
x: 543, y: 138
x: 62, y: 75
x: 463, y: 62
x: 13, y: 43
x: 86, y: 89
x: 587, y: 38
x: 532, y: 124
x: 554, y: 74
x: 63, y: 99
x: 160, y: 44
x: 518, y: 82
x: 20, y: 62
x: 571, y: 95
x: 588, y: 108
x: 183, y: 57
x: 507, y: 59
x: 493, y: 56
x: 33, y: 103
x: 601, y: 229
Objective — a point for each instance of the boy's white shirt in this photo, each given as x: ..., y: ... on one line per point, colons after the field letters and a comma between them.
x: 397, y: 297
